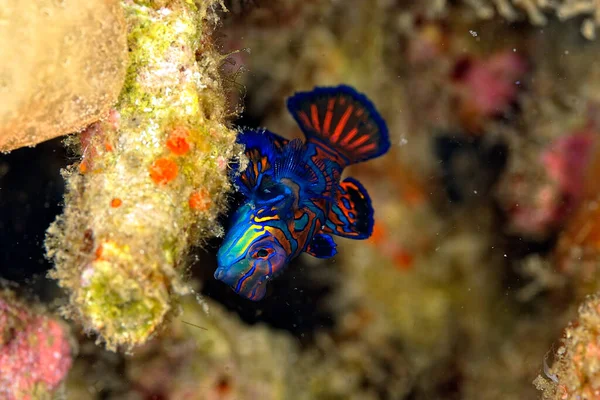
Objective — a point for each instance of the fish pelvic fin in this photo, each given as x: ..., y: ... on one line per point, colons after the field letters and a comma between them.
x: 342, y: 119
x: 351, y: 214
x: 322, y: 246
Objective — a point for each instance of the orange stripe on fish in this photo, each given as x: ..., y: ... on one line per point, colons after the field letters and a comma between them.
x: 315, y: 117
x: 305, y: 120
x: 328, y: 116
x: 341, y: 125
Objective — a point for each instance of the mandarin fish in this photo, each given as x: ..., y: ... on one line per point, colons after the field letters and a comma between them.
x: 294, y: 198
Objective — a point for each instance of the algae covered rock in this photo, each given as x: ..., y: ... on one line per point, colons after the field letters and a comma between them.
x: 151, y: 181
x: 208, y: 353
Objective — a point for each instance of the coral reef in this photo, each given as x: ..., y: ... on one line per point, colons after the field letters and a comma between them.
x: 151, y: 181
x: 35, y: 351
x: 409, y: 288
x: 558, y: 188
x: 575, y: 371
x: 536, y: 11
x: 64, y: 67
x: 215, y: 357
x: 577, y: 249
x: 486, y: 88
x: 486, y: 234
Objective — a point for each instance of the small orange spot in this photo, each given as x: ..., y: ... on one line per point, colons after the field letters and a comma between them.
x: 178, y: 141
x: 116, y: 202
x: 163, y: 171
x: 378, y: 233
x: 99, y: 252
x: 223, y: 387
x: 108, y: 146
x: 403, y: 260
x: 199, y: 200
x: 83, y: 167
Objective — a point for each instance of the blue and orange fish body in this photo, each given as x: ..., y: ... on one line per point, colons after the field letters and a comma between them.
x: 294, y: 200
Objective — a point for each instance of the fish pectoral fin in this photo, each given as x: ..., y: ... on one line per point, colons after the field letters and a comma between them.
x: 351, y: 215
x: 322, y: 246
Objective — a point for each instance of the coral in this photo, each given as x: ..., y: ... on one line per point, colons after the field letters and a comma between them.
x: 208, y: 354
x: 64, y: 67
x: 542, y: 204
x: 461, y: 289
x: 575, y: 373
x: 35, y: 351
x: 486, y: 88
x: 567, y: 160
x: 550, y: 143
x: 536, y: 11
x: 152, y: 179
x: 577, y: 250
x: 353, y: 363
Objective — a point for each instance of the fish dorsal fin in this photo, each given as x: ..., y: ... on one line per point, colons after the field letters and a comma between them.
x: 262, y: 148
x: 253, y: 138
x: 322, y: 246
x: 342, y: 119
x: 271, y: 160
x: 291, y: 164
x: 351, y: 214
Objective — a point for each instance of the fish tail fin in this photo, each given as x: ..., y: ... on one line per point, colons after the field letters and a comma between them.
x: 343, y: 120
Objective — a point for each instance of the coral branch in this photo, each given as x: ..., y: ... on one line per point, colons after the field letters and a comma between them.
x: 132, y: 208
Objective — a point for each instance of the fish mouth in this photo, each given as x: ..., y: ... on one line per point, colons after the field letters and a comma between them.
x: 258, y: 293
x: 227, y: 269
x: 228, y: 276
x: 220, y: 273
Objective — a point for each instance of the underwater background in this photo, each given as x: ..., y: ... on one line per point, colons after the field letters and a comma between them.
x: 480, y: 278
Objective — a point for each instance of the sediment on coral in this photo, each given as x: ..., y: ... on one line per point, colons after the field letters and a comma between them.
x: 151, y: 181
x: 64, y: 67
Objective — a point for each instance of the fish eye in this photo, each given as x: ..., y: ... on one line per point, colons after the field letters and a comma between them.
x: 262, y: 253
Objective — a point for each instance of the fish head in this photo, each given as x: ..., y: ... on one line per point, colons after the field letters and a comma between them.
x: 249, y: 257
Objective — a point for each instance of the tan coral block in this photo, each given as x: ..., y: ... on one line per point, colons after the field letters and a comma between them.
x: 63, y: 66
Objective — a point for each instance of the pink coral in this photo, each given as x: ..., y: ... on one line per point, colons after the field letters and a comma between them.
x: 564, y: 162
x: 35, y: 354
x: 542, y: 212
x: 487, y: 87
x: 427, y: 44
